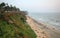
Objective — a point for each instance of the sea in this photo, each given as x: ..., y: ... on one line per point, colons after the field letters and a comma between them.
x: 50, y: 18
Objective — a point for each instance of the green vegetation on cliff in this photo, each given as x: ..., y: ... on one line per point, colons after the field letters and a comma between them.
x: 13, y: 23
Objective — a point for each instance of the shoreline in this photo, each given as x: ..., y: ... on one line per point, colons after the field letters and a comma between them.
x: 49, y: 30
x: 35, y: 27
x: 46, y: 25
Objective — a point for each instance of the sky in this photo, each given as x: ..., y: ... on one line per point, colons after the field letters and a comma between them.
x: 40, y: 6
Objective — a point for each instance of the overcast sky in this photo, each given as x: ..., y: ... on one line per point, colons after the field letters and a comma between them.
x: 36, y: 5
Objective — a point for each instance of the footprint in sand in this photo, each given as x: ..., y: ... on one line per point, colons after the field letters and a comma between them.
x: 39, y: 36
x: 43, y: 32
x: 36, y: 31
x: 42, y: 37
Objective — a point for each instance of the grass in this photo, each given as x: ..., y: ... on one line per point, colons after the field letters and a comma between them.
x: 18, y: 29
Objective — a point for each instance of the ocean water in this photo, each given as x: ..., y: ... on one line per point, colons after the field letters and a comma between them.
x: 50, y: 18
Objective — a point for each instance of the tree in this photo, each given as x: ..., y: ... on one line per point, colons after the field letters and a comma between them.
x: 2, y: 7
x: 2, y: 10
x: 2, y: 4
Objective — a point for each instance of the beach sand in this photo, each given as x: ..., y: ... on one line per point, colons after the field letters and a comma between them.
x: 34, y: 26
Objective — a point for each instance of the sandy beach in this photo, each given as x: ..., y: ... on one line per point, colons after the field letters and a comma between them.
x: 43, y: 30
x: 39, y: 32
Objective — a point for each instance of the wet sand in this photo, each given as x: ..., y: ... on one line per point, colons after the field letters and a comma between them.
x: 39, y: 32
